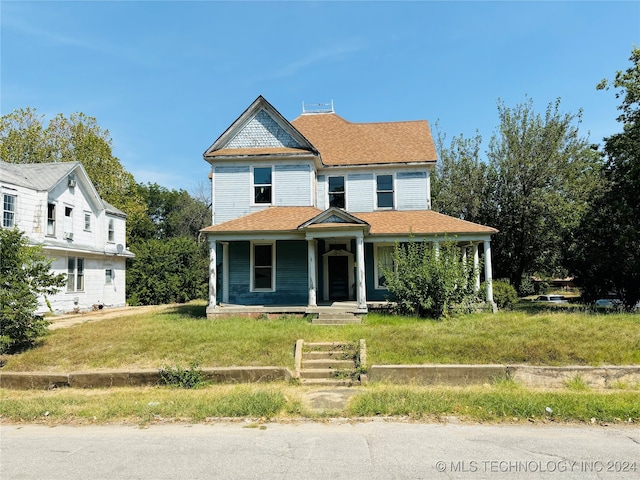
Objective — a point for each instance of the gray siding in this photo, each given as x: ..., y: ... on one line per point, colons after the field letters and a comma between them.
x: 360, y: 192
x: 411, y: 190
x: 232, y: 190
x: 292, y: 184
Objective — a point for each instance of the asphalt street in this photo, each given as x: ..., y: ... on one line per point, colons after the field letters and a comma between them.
x: 335, y: 449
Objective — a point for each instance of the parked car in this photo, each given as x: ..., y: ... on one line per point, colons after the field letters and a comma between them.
x: 551, y: 299
x: 608, y: 303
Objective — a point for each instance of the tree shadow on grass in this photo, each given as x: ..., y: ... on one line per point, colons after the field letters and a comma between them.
x: 190, y: 310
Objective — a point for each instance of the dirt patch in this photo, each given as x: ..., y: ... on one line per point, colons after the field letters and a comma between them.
x: 71, y: 319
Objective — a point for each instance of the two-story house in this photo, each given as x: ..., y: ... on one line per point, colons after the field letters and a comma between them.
x: 305, y: 212
x: 57, y: 207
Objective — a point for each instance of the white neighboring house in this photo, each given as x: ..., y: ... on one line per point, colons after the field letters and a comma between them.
x: 57, y: 206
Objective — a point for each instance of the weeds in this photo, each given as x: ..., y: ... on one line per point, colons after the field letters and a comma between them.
x: 179, y: 377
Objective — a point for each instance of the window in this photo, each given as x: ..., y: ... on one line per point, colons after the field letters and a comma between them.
x: 75, y: 274
x: 336, y: 192
x: 383, y: 261
x: 262, y: 185
x: 384, y: 191
x: 110, y: 231
x: 51, y: 219
x: 87, y: 222
x: 108, y: 276
x: 8, y: 211
x: 262, y: 263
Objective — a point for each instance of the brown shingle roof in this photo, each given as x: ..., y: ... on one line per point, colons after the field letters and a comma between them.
x: 419, y: 222
x: 344, y: 143
x: 270, y: 219
x: 416, y: 222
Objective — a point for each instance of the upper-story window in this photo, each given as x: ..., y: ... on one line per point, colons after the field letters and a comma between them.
x: 384, y: 191
x: 262, y: 185
x: 8, y: 210
x: 51, y: 219
x: 87, y: 221
x: 111, y: 231
x: 337, y: 194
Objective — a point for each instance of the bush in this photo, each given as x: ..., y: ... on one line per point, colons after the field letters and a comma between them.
x: 429, y: 282
x: 25, y: 274
x: 504, y: 295
x: 182, y: 377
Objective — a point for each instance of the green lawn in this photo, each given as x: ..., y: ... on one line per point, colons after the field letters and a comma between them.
x: 183, y: 335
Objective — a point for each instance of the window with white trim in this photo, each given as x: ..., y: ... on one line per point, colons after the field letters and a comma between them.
x: 384, y: 191
x: 51, y: 219
x: 263, y: 261
x: 87, y: 222
x: 75, y: 274
x: 337, y: 193
x: 262, y: 185
x: 9, y: 210
x: 111, y: 231
x: 383, y: 261
x: 108, y: 276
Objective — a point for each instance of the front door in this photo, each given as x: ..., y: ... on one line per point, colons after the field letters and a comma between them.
x: 338, y: 278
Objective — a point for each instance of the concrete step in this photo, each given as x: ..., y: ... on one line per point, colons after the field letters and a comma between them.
x: 326, y: 346
x: 328, y: 363
x: 328, y: 355
x: 338, y: 382
x: 329, y: 373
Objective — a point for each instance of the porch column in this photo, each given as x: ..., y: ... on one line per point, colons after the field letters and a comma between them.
x: 487, y: 271
x: 476, y: 265
x: 225, y: 272
x: 213, y: 274
x: 311, y: 248
x: 361, y: 287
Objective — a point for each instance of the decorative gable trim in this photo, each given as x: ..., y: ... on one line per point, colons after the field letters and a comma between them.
x: 260, y: 126
x: 333, y: 215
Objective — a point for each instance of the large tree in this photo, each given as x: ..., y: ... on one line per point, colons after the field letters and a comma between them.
x: 25, y: 274
x: 25, y: 139
x: 607, y: 252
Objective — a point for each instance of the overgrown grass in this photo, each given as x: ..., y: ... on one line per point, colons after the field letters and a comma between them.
x: 497, y: 403
x: 183, y: 335
x: 502, y: 402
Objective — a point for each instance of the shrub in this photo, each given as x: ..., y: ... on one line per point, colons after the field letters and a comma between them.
x: 426, y: 281
x: 177, y: 376
x: 504, y: 295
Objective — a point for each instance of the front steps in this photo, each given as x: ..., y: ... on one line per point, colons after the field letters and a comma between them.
x: 336, y: 318
x: 329, y: 363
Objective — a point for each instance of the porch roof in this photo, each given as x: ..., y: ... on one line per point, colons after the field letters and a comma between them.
x: 383, y: 223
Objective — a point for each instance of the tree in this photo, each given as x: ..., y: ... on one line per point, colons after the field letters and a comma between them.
x: 428, y: 281
x: 545, y: 172
x: 24, y: 139
x: 606, y: 256
x: 25, y: 274
x: 173, y: 270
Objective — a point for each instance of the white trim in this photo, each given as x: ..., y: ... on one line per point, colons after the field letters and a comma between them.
x: 225, y: 272
x: 376, y: 274
x: 252, y: 197
x: 252, y: 266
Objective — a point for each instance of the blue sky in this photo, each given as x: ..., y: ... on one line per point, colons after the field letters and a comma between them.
x: 166, y: 78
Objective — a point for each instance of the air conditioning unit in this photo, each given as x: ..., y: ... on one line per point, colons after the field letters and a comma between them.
x: 68, y: 235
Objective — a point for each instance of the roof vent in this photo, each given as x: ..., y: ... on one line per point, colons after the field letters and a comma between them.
x: 310, y: 108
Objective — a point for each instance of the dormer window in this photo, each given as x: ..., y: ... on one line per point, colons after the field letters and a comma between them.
x: 262, y: 185
x: 337, y: 196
